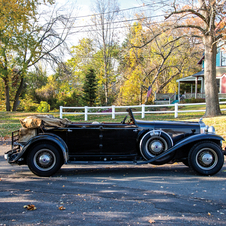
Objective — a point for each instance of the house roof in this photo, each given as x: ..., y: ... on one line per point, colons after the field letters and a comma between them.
x: 200, y: 61
x: 198, y: 74
x: 188, y: 79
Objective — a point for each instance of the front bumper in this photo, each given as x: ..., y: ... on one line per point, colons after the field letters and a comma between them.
x: 14, y: 156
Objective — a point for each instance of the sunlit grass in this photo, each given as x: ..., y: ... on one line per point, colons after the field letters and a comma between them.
x: 10, y: 121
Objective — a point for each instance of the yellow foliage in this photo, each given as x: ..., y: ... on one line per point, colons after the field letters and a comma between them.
x: 157, y: 64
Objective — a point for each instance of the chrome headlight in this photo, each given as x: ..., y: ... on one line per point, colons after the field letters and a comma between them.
x: 211, y: 129
x: 204, y: 128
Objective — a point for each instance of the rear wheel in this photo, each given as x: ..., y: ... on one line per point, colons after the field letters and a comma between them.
x: 44, y: 160
x: 206, y: 158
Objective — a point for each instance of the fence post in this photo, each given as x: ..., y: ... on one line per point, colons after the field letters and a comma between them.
x: 86, y: 113
x: 113, y: 111
x: 143, y: 111
x: 61, y: 111
x: 176, y: 110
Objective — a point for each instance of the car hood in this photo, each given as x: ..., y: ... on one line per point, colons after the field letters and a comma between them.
x: 182, y: 126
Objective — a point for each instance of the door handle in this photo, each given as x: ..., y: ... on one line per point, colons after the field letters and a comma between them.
x: 69, y: 130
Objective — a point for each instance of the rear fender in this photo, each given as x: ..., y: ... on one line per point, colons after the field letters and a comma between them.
x: 42, y: 138
x: 189, y: 140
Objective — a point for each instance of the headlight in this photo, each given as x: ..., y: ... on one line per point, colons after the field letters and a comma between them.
x: 211, y: 129
x: 204, y: 128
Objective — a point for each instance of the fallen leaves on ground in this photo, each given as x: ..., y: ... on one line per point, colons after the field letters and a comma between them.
x: 151, y: 221
x: 62, y: 208
x: 30, y: 207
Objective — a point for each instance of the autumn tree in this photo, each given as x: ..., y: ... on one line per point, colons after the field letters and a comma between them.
x: 105, y: 36
x: 81, y: 60
x: 24, y: 42
x: 61, y: 88
x: 210, y: 30
x: 34, y: 79
x: 132, y: 67
x: 155, y: 64
x: 85, y: 55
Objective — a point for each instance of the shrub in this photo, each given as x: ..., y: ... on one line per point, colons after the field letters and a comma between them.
x: 193, y: 100
x: 27, y: 104
x: 43, y: 107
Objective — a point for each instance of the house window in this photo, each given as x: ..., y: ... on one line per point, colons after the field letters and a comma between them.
x: 223, y: 58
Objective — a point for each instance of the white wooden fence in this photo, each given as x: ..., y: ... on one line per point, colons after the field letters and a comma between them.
x: 111, y: 110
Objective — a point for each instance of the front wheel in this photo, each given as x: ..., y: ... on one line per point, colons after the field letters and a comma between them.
x: 44, y: 160
x: 206, y: 158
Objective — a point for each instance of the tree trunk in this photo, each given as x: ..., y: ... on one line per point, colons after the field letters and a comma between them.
x: 141, y: 94
x: 211, y: 91
x: 105, y: 70
x: 18, y: 92
x: 7, y: 99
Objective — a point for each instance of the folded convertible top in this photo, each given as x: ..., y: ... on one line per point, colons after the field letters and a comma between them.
x: 37, y: 121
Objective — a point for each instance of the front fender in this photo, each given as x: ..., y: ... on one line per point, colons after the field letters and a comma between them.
x: 186, y: 141
x: 45, y: 137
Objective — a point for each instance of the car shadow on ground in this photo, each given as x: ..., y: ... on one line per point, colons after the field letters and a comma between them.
x: 126, y: 170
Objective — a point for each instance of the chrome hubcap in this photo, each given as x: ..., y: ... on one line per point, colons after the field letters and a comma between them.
x: 206, y: 158
x: 156, y: 145
x: 44, y: 159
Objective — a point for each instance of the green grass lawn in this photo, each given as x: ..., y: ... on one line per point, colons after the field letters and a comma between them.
x: 9, y: 121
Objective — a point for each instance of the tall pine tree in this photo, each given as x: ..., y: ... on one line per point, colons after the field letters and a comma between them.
x: 90, y: 87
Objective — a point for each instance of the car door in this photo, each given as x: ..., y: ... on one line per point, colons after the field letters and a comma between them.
x: 119, y: 139
x: 83, y: 139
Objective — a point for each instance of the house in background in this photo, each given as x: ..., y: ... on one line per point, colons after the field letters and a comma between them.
x: 196, y: 81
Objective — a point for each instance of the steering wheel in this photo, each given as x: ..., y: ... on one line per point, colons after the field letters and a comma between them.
x: 124, y: 120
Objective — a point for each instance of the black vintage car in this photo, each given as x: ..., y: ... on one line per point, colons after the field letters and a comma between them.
x: 131, y: 141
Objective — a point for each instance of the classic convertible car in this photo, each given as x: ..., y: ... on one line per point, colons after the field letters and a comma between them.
x: 46, y: 146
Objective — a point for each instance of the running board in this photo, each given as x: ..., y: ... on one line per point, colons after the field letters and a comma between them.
x: 104, y: 162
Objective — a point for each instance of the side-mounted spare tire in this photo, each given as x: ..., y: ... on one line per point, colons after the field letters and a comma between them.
x: 44, y: 160
x: 206, y: 158
x: 154, y: 143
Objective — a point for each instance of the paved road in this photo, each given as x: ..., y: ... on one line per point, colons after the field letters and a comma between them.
x: 112, y: 195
